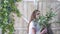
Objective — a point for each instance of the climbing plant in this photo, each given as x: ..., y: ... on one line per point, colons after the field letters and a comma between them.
x: 6, y: 8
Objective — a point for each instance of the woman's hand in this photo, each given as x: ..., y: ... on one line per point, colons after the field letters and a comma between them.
x: 44, y: 31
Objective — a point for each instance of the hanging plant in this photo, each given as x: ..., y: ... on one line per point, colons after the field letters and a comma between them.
x: 7, y: 23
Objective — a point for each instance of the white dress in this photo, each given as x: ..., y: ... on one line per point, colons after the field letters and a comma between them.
x: 34, y: 25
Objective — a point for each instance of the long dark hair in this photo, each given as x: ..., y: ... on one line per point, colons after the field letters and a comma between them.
x: 33, y: 15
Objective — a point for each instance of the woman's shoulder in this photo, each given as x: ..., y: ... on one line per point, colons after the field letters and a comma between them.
x: 32, y: 22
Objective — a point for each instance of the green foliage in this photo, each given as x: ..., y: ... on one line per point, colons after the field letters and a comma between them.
x: 6, y: 23
x: 44, y: 20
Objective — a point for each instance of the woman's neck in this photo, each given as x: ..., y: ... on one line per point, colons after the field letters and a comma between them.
x: 35, y: 20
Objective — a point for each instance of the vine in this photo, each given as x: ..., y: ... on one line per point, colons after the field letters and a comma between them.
x: 7, y: 23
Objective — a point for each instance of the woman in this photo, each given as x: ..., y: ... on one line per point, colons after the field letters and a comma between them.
x: 33, y: 26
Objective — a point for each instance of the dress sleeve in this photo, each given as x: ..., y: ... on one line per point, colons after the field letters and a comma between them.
x: 33, y: 25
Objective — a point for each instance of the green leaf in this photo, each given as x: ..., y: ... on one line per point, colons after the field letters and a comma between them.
x: 6, y: 7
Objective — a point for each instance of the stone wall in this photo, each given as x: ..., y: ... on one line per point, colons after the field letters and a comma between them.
x: 27, y: 7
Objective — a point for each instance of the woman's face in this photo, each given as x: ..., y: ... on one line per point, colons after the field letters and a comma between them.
x: 37, y: 15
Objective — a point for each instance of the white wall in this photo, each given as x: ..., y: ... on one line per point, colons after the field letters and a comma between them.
x: 27, y: 7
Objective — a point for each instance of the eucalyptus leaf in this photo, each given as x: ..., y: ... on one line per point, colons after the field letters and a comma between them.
x: 44, y: 20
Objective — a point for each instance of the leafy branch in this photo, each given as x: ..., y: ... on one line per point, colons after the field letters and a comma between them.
x: 44, y: 20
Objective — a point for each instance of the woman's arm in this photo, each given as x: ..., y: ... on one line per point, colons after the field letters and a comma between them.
x: 33, y: 30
